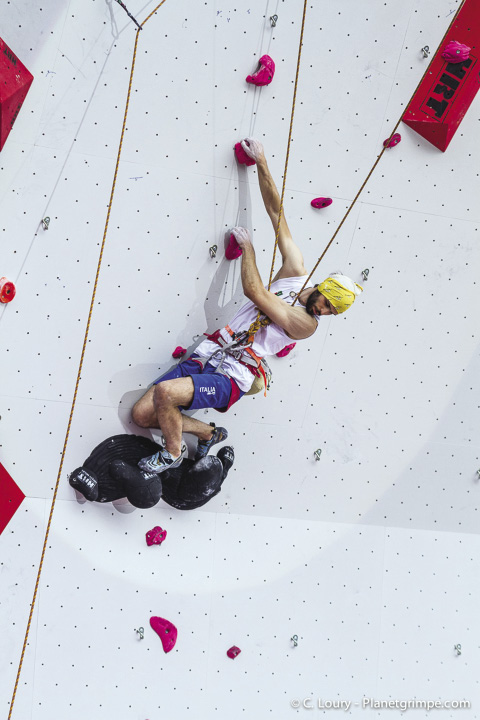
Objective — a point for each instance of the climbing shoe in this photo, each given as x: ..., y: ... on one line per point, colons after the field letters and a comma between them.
x: 161, y: 461
x: 203, y: 447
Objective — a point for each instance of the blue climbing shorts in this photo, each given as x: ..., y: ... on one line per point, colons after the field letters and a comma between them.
x: 211, y: 389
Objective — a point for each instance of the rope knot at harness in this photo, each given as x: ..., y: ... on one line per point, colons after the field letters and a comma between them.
x: 261, y: 321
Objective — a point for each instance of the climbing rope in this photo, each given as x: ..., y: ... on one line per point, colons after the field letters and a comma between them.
x: 257, y: 324
x: 376, y: 161
x: 280, y: 212
x: 263, y: 321
x: 40, y: 567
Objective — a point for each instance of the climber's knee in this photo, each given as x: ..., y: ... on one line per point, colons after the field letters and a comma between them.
x: 143, y: 412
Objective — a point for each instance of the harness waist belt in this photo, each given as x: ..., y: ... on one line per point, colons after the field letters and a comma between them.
x: 243, y: 353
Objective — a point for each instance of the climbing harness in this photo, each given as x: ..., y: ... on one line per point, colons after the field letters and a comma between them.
x: 240, y: 349
x: 239, y: 346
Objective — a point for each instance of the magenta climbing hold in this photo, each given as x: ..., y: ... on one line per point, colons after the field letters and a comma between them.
x: 7, y: 290
x: 391, y: 142
x: 264, y: 73
x: 321, y: 202
x: 456, y: 52
x: 166, y: 631
x: 233, y: 652
x: 179, y: 352
x: 241, y: 155
x: 233, y: 249
x: 156, y: 536
x: 286, y: 350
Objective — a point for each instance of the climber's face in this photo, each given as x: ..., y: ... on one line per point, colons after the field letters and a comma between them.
x: 317, y: 304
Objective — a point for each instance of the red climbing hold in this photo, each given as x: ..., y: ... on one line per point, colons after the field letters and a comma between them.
x: 264, y: 72
x: 7, y: 290
x: 241, y: 155
x: 456, y: 52
x: 321, y: 202
x: 166, y: 631
x: 156, y: 536
x: 286, y: 350
x: 233, y: 249
x: 233, y: 652
x: 179, y: 352
x: 391, y: 142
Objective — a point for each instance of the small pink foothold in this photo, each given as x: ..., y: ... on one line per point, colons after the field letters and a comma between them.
x: 456, y: 52
x: 286, y: 350
x: 391, y: 142
x: 242, y: 157
x: 156, y: 536
x: 179, y: 352
x: 233, y: 652
x: 233, y: 249
x: 321, y: 202
x: 264, y: 72
x: 166, y: 631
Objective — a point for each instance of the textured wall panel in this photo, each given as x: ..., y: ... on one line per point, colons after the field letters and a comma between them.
x: 369, y: 555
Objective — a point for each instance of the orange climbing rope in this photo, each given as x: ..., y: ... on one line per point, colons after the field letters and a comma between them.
x: 262, y: 321
x: 374, y: 165
x: 280, y: 212
x: 40, y: 567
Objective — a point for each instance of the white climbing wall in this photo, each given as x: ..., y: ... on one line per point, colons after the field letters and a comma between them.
x: 370, y: 556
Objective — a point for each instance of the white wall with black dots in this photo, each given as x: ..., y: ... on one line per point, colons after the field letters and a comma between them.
x: 370, y: 556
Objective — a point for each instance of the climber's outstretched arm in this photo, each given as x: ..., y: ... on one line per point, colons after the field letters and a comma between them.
x: 294, y: 320
x: 291, y: 256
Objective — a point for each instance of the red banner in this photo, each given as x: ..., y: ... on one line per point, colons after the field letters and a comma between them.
x: 15, y: 81
x: 447, y: 90
x: 11, y: 497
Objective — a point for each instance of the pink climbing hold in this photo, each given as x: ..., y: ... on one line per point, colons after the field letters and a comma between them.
x: 241, y: 155
x: 286, y: 350
x: 264, y: 72
x: 233, y: 652
x: 321, y: 202
x: 156, y: 536
x: 391, y: 142
x: 456, y: 52
x: 233, y: 249
x: 179, y: 352
x: 166, y: 631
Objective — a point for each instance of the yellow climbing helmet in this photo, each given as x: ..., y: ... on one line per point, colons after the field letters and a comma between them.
x: 340, y: 290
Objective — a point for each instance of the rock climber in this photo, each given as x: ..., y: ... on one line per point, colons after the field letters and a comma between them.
x: 224, y: 367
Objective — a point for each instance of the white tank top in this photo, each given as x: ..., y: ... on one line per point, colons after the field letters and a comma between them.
x: 268, y: 340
